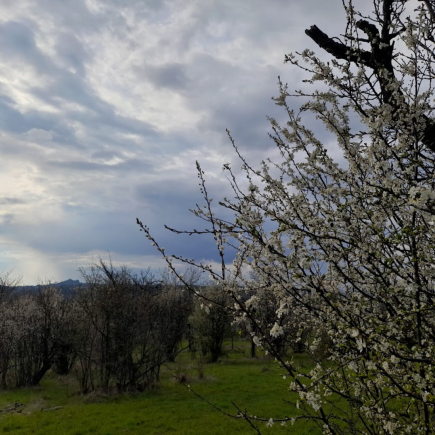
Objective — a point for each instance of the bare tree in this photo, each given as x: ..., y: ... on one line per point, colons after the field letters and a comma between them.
x: 128, y: 328
x: 39, y: 325
x: 7, y: 327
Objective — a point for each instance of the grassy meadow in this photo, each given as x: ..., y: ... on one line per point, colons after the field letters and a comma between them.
x: 56, y: 407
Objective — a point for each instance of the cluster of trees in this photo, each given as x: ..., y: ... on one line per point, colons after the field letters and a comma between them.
x: 32, y: 326
x: 342, y: 244
x: 127, y: 327
x: 114, y: 332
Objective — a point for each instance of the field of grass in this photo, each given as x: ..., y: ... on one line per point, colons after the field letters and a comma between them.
x: 55, y: 407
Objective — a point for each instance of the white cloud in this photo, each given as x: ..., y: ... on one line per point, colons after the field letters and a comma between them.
x: 106, y: 105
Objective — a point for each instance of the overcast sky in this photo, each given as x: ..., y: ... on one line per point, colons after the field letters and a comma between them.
x: 106, y: 105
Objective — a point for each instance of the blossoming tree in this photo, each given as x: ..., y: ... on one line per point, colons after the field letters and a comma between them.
x: 347, y: 244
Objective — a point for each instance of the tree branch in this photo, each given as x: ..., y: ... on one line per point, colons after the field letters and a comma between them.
x: 430, y: 8
x: 379, y: 59
x: 338, y: 49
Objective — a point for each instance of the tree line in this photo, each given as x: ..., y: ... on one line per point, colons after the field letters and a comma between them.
x: 114, y: 332
x: 119, y: 328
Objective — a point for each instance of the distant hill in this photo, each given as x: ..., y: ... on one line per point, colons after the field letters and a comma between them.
x: 69, y: 283
x: 66, y: 287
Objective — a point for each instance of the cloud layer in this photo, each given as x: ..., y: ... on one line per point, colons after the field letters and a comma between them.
x: 106, y: 105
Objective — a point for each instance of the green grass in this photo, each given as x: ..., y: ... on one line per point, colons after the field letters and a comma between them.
x: 252, y: 384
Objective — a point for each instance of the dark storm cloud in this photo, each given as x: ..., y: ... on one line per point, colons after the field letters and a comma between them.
x: 170, y: 206
x: 171, y: 76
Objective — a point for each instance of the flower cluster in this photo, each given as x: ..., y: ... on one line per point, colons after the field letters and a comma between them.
x: 341, y: 249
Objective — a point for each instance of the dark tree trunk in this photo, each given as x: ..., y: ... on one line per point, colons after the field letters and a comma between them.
x: 36, y: 378
x: 64, y: 360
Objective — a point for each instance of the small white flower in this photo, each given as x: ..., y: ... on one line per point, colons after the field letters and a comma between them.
x: 354, y: 333
x: 256, y: 341
x: 371, y: 365
x: 277, y: 330
x: 353, y: 366
x: 360, y: 344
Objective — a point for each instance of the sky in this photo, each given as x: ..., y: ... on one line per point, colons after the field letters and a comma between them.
x: 106, y: 105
